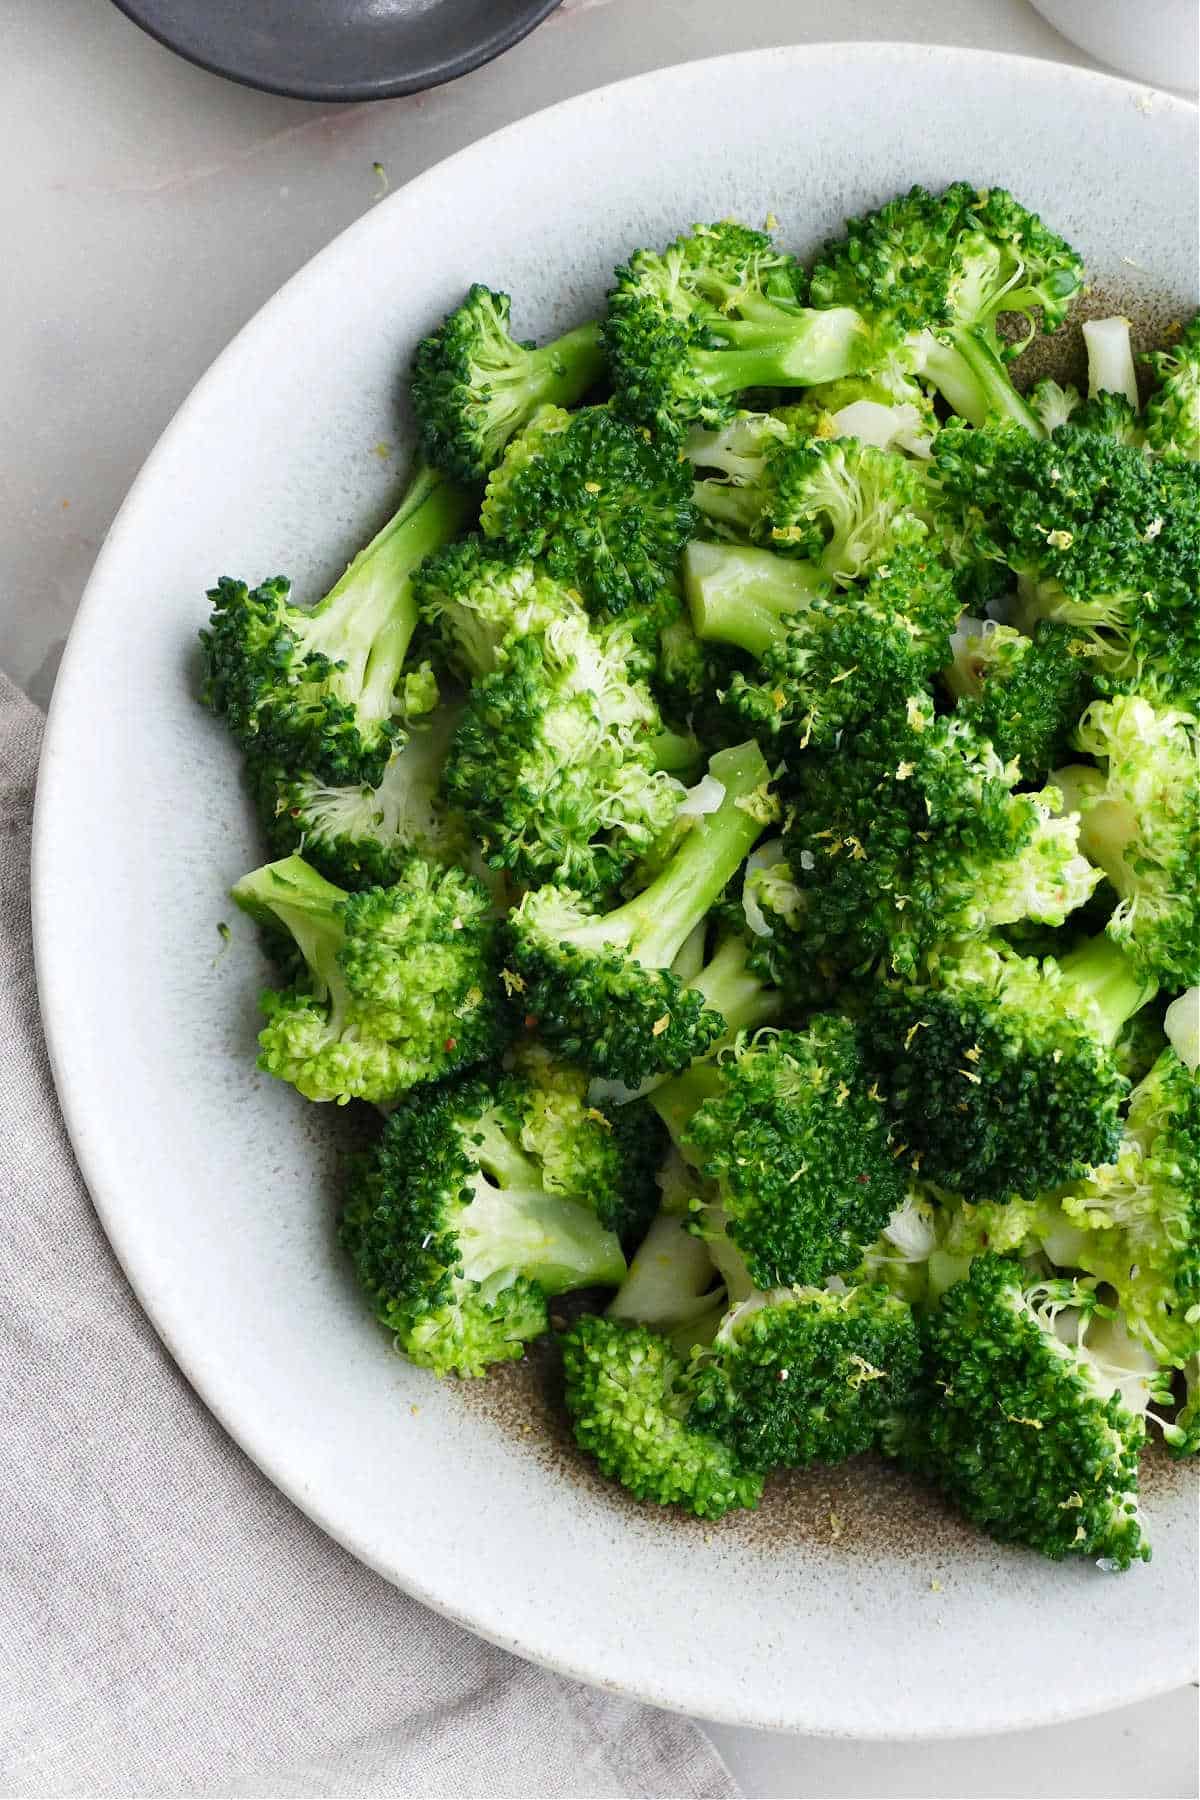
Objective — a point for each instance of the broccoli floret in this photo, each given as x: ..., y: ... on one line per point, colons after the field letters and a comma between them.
x: 1140, y: 1044
x: 672, y: 1286
x: 910, y: 833
x: 629, y: 1395
x: 600, y: 986
x: 362, y: 836
x: 1112, y: 416
x: 474, y: 386
x: 1140, y: 823
x: 823, y: 662
x: 1139, y: 1215
x: 457, y: 1236
x: 471, y: 601
x: 556, y: 761
x: 1173, y: 409
x: 317, y: 691
x: 840, y: 505
x: 955, y: 263
x: 1053, y: 404
x: 1100, y: 537
x: 716, y: 312
x: 888, y: 409
x: 999, y: 1071
x: 1024, y: 694
x: 788, y: 1128
x: 804, y: 1376
x: 1026, y: 1425
x: 401, y: 986
x: 690, y: 676
x: 1182, y: 1434
x: 606, y: 510
x: 599, y: 1152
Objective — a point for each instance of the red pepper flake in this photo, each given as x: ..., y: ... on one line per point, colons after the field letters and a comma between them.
x: 450, y: 1044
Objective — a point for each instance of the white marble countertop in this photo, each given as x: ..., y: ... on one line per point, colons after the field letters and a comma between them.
x: 149, y: 210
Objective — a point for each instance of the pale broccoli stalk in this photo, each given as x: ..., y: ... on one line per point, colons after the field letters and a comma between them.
x: 1110, y: 359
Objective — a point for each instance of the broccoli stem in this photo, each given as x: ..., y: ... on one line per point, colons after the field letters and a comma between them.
x: 1110, y: 359
x: 678, y: 1099
x: 367, y: 619
x: 654, y: 925
x: 525, y: 1230
x: 676, y: 752
x: 727, y: 985
x: 1107, y: 828
x: 972, y: 379
x: 1106, y: 980
x: 560, y: 373
x: 745, y: 597
x: 783, y: 347
x: 291, y: 894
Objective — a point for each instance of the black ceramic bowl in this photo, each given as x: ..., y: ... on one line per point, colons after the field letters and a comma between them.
x: 338, y: 49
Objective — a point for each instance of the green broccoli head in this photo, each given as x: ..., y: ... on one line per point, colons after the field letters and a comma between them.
x: 1173, y: 409
x: 1027, y: 1427
x: 803, y: 1375
x: 717, y: 312
x: 998, y: 1070
x: 605, y: 1154
x: 690, y: 677
x: 949, y: 266
x: 319, y: 690
x: 474, y: 386
x: 1139, y: 1215
x: 362, y: 836
x: 472, y: 601
x: 841, y: 505
x: 456, y: 1235
x: 555, y: 760
x: 629, y: 1396
x: 1140, y: 823
x: 1101, y: 538
x: 1113, y: 416
x: 793, y: 1135
x: 911, y: 834
x: 599, y: 986
x: 401, y: 983
x: 830, y: 661
x: 1025, y: 695
x: 603, y: 507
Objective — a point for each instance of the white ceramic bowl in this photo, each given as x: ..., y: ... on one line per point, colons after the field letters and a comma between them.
x: 213, y: 1182
x: 1152, y: 40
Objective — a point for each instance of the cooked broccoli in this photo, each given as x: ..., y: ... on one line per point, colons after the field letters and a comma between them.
x: 474, y: 386
x: 955, y: 263
x: 911, y: 833
x: 887, y: 408
x: 1111, y: 373
x: 629, y: 1395
x: 1140, y: 823
x: 556, y: 761
x: 1054, y: 405
x: 802, y: 1375
x: 471, y: 601
x: 1100, y: 537
x: 998, y: 1070
x: 1024, y: 694
x: 401, y: 986
x: 1030, y: 1424
x: 316, y: 691
x: 605, y: 509
x: 823, y: 664
x: 1139, y: 1215
x: 794, y: 1137
x: 672, y: 1286
x: 1181, y: 1023
x: 364, y: 836
x: 840, y: 505
x: 1112, y: 416
x: 1173, y: 409
x: 604, y: 1154
x: 691, y: 675
x: 600, y: 986
x: 457, y: 1236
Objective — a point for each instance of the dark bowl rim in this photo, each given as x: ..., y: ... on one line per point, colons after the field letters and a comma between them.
x: 383, y: 87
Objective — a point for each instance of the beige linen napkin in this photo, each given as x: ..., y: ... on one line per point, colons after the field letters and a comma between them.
x: 169, y: 1624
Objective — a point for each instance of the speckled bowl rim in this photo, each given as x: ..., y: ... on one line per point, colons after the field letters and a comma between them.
x: 62, y: 950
